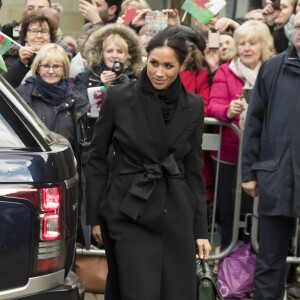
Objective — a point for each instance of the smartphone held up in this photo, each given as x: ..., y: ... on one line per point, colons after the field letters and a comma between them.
x: 155, y: 21
x: 276, y: 4
x: 213, y: 39
x: 130, y: 14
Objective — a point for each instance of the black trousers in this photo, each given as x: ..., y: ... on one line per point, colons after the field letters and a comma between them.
x: 225, y: 196
x: 274, y: 237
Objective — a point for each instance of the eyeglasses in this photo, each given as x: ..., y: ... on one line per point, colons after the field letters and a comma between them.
x: 43, y: 32
x: 55, y: 67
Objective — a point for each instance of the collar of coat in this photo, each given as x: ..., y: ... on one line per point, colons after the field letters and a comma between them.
x: 165, y: 135
x: 72, y: 97
x: 292, y: 61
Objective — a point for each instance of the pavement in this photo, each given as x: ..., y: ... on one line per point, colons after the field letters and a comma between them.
x: 89, y: 296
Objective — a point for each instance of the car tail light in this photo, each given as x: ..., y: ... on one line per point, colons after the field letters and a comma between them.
x: 48, y: 239
x: 50, y: 226
x: 50, y: 198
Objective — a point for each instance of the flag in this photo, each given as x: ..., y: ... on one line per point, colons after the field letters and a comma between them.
x: 5, y: 43
x: 203, y: 10
x: 2, y: 64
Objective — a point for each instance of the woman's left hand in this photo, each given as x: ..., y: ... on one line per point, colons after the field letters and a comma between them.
x: 204, y: 248
x: 236, y: 107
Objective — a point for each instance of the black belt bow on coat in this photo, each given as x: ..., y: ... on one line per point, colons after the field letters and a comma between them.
x: 145, y: 182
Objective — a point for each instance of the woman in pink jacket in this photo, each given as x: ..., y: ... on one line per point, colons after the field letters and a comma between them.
x: 253, y: 44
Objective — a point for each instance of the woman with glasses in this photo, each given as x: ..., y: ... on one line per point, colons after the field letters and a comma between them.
x: 52, y: 96
x: 37, y: 30
x: 56, y: 102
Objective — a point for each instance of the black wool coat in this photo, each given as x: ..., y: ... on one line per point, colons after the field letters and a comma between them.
x: 153, y: 206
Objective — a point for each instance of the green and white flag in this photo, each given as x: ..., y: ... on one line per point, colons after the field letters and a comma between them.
x: 203, y: 10
x: 5, y: 43
x: 2, y: 64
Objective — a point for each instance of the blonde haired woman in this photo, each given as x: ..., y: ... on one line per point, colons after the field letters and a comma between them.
x: 51, y: 95
x: 104, y: 46
x: 253, y: 44
x: 56, y: 102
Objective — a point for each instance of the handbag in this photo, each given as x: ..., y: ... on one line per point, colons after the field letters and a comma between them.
x: 92, y: 271
x: 207, y: 288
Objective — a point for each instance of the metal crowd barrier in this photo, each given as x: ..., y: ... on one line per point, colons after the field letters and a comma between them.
x: 212, y: 142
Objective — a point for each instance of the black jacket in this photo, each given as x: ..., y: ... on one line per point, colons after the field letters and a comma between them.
x: 271, y: 142
x: 63, y: 119
x: 150, y: 215
x: 87, y: 79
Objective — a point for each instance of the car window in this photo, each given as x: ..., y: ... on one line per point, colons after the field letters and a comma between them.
x: 14, y: 108
x: 9, y: 137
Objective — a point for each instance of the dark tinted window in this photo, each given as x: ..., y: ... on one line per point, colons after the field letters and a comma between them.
x: 9, y: 138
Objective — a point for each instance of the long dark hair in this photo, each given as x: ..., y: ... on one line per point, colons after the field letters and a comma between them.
x: 177, y: 42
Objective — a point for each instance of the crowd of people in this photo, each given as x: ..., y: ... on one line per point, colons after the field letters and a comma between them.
x: 146, y: 185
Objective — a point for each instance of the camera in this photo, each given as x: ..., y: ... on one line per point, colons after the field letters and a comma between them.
x: 117, y: 67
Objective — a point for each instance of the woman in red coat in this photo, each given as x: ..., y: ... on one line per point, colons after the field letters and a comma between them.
x: 195, y: 79
x: 253, y: 45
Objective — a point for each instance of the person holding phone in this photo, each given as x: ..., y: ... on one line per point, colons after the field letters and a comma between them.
x: 277, y: 18
x: 253, y: 44
x: 130, y: 9
x: 151, y: 210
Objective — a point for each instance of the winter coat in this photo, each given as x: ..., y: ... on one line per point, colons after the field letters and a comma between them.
x: 197, y: 83
x: 225, y: 88
x: 88, y: 79
x: 150, y: 216
x: 16, y: 73
x: 271, y: 144
x: 59, y: 119
x: 64, y: 119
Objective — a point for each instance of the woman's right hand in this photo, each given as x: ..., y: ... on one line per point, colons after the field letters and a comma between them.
x: 139, y: 19
x: 107, y: 77
x: 96, y: 233
x: 25, y: 54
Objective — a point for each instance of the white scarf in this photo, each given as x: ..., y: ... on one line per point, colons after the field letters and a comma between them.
x: 244, y: 73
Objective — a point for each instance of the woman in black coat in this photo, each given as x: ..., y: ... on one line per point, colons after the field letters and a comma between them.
x: 152, y: 208
x: 62, y: 108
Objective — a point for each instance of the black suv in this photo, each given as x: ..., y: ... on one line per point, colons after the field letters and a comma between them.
x: 38, y: 205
